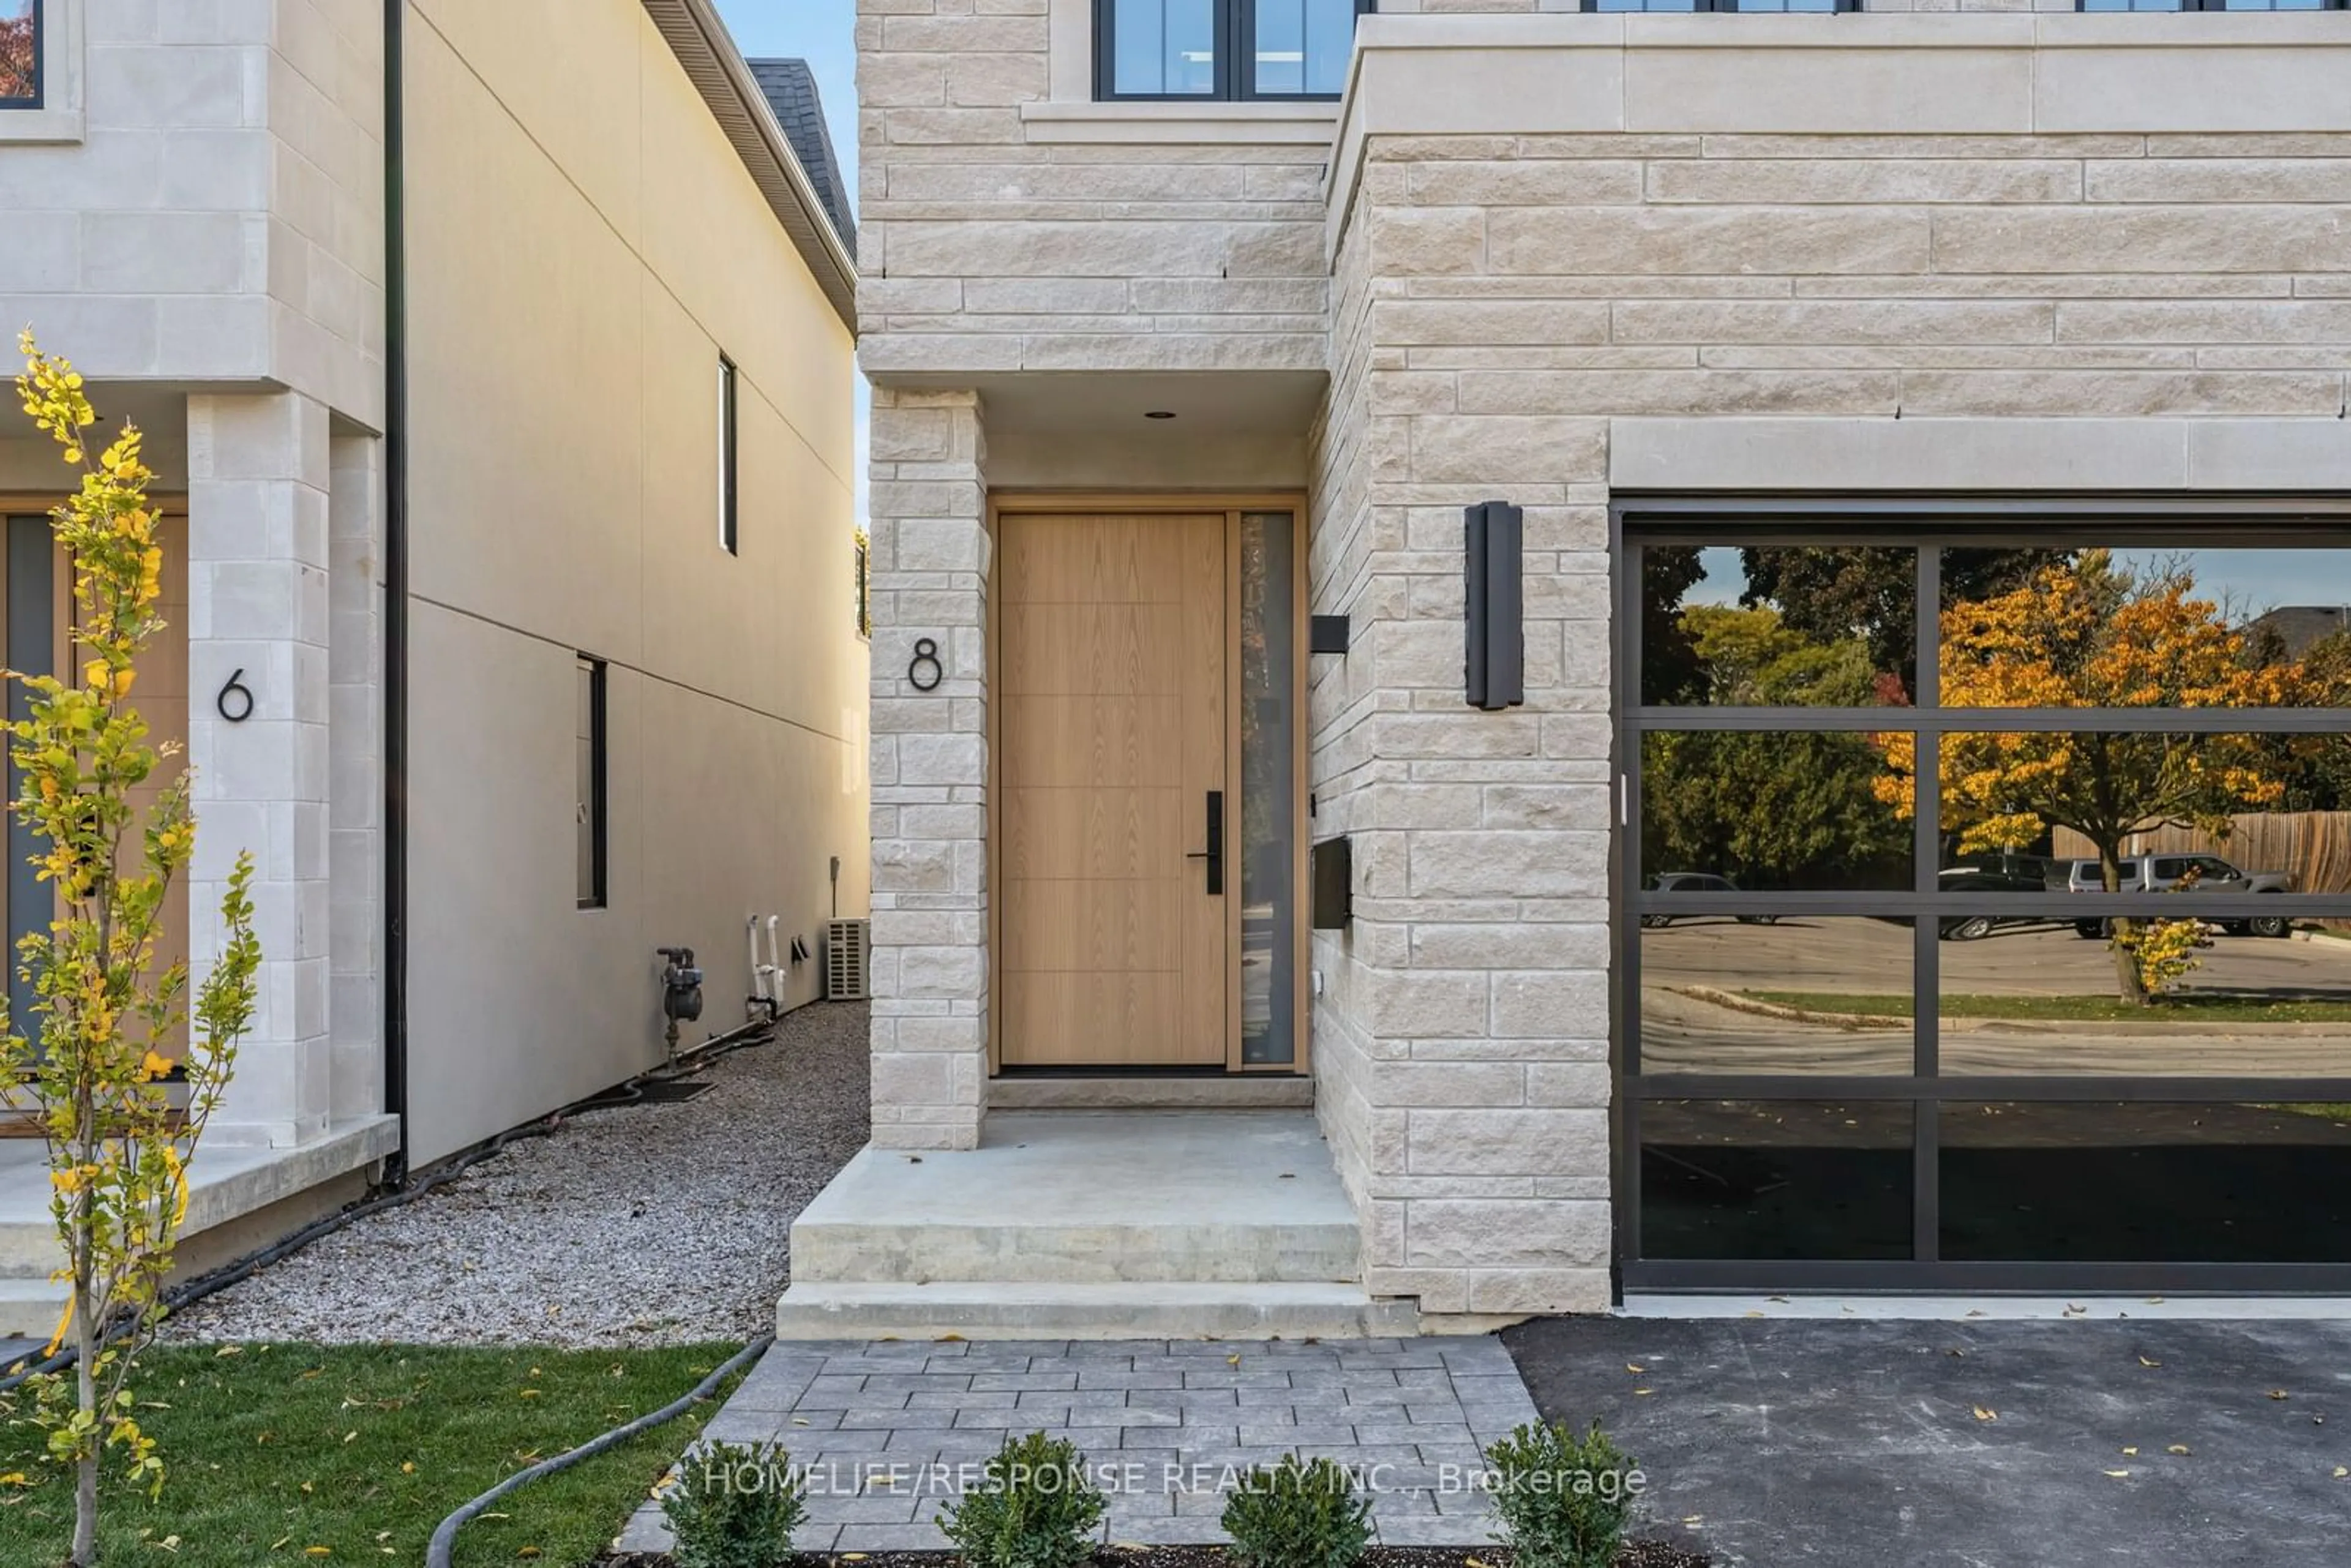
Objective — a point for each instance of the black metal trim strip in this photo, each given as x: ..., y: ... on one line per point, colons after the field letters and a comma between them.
x: 1740, y: 1276
x: 395, y: 591
x: 1997, y: 720
x: 2140, y: 1090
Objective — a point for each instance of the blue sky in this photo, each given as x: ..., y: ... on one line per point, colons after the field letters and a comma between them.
x: 820, y: 32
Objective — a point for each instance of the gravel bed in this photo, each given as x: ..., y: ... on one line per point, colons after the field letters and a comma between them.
x: 634, y: 1225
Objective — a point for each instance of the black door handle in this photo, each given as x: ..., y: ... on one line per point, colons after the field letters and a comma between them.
x: 1215, y: 853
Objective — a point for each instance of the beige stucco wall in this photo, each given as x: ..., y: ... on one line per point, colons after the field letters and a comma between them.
x: 583, y: 243
x: 1563, y: 256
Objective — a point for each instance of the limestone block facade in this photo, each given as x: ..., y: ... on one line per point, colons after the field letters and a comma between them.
x: 1556, y: 260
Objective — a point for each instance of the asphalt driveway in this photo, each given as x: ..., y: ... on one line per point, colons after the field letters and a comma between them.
x: 1992, y: 1445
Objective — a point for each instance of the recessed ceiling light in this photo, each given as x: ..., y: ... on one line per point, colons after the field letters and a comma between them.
x: 1160, y: 413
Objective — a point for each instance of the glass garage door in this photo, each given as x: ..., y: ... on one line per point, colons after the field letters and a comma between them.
x: 1985, y: 893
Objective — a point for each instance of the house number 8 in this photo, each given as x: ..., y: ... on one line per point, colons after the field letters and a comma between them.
x: 924, y: 672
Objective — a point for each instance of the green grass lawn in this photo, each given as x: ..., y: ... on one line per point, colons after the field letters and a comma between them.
x: 2207, y: 1009
x: 305, y: 1454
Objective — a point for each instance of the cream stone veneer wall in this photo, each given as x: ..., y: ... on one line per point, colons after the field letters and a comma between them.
x: 584, y: 244
x: 199, y: 226
x: 1563, y: 256
x: 1660, y: 224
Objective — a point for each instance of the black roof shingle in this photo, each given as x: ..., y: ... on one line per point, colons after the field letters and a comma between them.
x: 790, y: 89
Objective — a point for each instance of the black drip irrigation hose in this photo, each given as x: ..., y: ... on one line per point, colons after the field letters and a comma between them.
x: 444, y: 1539
x: 758, y: 1033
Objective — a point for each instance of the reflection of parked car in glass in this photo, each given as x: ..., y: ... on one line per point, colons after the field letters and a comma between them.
x: 2186, y: 873
x: 1697, y: 881
x: 2032, y: 873
x: 1974, y: 879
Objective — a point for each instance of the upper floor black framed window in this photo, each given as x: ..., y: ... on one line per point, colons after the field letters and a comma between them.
x: 591, y: 835
x: 1211, y: 49
x: 20, y: 53
x: 1785, y: 6
x: 2212, y: 4
x: 729, y: 514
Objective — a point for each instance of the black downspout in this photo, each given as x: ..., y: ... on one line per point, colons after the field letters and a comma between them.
x: 395, y: 598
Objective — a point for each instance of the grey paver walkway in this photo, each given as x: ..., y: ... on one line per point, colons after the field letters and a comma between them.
x: 889, y: 1431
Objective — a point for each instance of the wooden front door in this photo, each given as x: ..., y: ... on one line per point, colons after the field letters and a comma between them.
x: 1113, y: 738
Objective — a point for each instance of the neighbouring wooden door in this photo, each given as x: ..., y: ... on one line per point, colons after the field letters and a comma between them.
x: 1111, y: 732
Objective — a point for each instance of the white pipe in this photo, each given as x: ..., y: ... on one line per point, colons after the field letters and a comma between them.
x: 775, y: 966
x: 759, y: 974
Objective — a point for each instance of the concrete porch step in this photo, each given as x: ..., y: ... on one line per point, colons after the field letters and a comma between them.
x: 29, y: 1309
x: 1234, y: 1092
x: 1047, y: 1311
x: 1093, y: 1199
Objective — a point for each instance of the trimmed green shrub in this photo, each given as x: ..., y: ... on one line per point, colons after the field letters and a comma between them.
x: 735, y: 1505
x: 1036, y: 1507
x: 1299, y: 1513
x: 1562, y: 1500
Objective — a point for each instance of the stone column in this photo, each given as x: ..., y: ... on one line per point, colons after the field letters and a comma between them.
x: 930, y: 557
x: 258, y: 479
x: 355, y: 773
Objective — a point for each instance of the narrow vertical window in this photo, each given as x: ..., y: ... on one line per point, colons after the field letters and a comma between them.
x: 20, y: 53
x: 728, y: 536
x: 588, y: 679
x: 1270, y: 813
x: 864, y: 585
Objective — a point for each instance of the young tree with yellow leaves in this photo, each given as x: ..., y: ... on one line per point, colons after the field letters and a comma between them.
x: 89, y: 1062
x: 2093, y: 634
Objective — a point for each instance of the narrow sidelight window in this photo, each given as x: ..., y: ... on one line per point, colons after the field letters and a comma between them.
x: 20, y: 53
x: 864, y: 585
x: 729, y: 527
x: 590, y: 757
x: 1224, y: 48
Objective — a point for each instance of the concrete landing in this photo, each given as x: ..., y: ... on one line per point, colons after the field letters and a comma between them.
x: 239, y: 1199
x: 1069, y: 1224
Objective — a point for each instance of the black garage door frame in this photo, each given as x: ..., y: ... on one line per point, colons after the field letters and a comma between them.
x: 1928, y: 523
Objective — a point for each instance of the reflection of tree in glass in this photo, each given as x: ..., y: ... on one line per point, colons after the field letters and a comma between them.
x: 2317, y: 769
x: 17, y: 49
x: 1671, y: 670
x: 2093, y: 634
x: 1829, y: 592
x: 1770, y: 811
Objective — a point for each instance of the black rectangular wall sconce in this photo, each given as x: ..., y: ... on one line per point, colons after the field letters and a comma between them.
x: 1331, y: 872
x: 1493, y: 554
x: 1327, y: 634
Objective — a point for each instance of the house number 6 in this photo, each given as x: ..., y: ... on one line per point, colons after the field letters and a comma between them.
x: 235, y: 702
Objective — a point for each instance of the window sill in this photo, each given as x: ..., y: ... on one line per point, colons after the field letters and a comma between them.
x: 40, y: 125
x: 1163, y: 120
